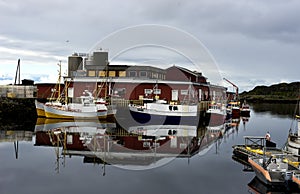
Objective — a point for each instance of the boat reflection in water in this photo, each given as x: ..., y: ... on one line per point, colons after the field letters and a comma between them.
x: 135, y: 148
x: 256, y: 186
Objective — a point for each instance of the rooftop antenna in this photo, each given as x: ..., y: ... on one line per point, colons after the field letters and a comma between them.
x: 18, y: 73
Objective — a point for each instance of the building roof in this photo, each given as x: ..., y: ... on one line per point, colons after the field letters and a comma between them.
x: 195, y: 73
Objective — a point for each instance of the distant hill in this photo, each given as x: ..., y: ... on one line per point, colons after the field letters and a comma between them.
x: 283, y: 93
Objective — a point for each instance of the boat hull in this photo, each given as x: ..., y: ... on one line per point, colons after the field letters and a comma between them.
x: 273, y: 177
x: 51, y: 112
x: 142, y: 117
x: 39, y: 109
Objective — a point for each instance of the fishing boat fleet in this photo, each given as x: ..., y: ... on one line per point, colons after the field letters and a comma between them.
x: 160, y: 111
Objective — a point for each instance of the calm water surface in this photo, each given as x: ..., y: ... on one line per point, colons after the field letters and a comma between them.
x: 29, y: 167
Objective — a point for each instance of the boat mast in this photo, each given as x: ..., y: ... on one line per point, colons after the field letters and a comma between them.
x: 59, y: 80
x: 106, y: 78
x: 53, y: 96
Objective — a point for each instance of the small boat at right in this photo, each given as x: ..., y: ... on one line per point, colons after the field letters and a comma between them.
x: 272, y: 171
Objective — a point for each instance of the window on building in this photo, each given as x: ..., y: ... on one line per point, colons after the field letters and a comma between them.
x: 132, y: 73
x: 112, y: 73
x: 148, y: 91
x: 200, y: 94
x: 154, y: 75
x: 101, y: 74
x: 146, y: 144
x: 122, y: 73
x: 91, y: 73
x: 174, y: 95
x: 156, y: 91
x: 143, y: 73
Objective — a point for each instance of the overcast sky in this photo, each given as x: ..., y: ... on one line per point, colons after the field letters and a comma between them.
x: 253, y: 42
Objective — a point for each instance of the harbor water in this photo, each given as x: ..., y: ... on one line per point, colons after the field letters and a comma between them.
x: 28, y: 165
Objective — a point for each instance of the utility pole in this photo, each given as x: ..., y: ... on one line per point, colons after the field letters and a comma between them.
x: 18, y: 73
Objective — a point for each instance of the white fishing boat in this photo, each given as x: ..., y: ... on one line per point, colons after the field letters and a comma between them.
x: 163, y: 112
x: 87, y: 109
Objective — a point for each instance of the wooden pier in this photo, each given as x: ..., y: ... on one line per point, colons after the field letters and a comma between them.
x: 256, y: 146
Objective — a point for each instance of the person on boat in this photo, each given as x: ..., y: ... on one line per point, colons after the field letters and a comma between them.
x: 268, y: 136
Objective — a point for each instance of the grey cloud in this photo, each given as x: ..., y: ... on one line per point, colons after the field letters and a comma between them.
x: 244, y: 36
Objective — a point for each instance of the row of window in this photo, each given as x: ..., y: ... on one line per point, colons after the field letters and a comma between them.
x: 149, y: 91
x: 92, y: 73
x: 145, y: 74
x: 158, y: 91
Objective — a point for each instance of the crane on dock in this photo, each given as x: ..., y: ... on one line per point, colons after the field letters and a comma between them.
x: 235, y: 86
